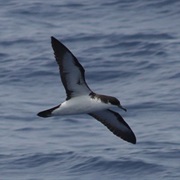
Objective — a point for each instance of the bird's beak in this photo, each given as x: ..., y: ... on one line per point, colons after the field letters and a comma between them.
x: 122, y: 108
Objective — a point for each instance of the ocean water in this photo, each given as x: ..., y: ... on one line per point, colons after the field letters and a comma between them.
x: 130, y: 49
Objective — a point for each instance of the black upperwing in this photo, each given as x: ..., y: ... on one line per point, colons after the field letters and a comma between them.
x: 116, y: 124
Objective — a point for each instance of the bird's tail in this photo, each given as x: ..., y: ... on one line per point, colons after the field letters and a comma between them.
x: 48, y: 112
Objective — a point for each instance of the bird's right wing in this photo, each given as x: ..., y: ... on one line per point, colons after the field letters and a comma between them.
x: 71, y: 71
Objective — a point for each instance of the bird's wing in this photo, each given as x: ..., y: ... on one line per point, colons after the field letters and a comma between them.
x: 71, y: 71
x: 116, y: 124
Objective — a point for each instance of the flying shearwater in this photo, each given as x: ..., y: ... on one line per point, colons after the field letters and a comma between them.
x: 81, y: 99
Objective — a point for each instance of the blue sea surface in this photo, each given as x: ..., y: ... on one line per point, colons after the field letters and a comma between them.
x: 129, y: 49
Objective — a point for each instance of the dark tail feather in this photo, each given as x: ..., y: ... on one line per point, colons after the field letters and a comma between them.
x: 47, y: 113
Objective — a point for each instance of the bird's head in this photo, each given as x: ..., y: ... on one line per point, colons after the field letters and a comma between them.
x: 114, y: 101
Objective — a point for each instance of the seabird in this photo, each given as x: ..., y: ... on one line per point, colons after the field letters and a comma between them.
x: 81, y: 99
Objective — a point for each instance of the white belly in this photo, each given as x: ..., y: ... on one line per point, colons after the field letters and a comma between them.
x: 80, y: 105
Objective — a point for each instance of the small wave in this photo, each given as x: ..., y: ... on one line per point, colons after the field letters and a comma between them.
x: 115, y: 166
x: 40, y: 159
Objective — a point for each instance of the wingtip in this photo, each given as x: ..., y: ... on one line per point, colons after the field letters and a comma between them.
x: 131, y: 138
x: 56, y: 44
x: 53, y: 39
x: 133, y: 141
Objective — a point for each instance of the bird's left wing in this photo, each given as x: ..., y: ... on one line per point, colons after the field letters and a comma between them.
x: 115, y: 123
